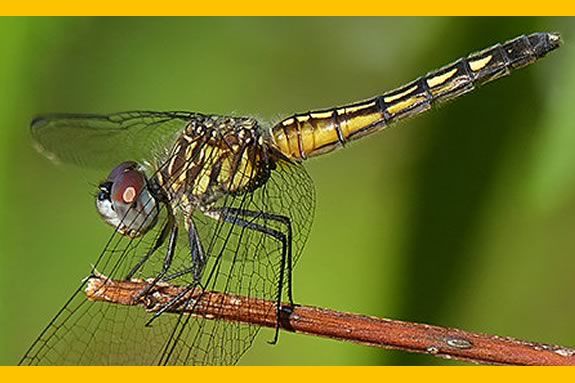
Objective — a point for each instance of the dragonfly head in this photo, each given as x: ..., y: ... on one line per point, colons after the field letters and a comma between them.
x: 125, y: 201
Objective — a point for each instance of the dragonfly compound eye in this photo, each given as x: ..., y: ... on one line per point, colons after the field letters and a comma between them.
x: 125, y: 202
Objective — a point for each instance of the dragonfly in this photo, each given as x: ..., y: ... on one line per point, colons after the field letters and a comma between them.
x: 217, y: 203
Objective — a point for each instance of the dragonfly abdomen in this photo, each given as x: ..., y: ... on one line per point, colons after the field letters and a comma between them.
x: 313, y: 133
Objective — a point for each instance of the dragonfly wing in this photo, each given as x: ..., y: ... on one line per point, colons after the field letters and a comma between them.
x: 96, y: 333
x: 240, y: 260
x: 104, y: 141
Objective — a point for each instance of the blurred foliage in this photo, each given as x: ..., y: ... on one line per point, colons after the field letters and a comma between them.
x: 462, y: 217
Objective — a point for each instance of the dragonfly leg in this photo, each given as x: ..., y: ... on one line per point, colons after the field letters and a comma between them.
x: 159, y: 242
x: 198, y: 257
x: 288, y: 228
x: 167, y: 261
x: 173, y: 301
x: 237, y: 217
x: 198, y: 264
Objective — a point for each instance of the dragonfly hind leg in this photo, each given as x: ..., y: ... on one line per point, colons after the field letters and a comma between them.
x: 247, y: 219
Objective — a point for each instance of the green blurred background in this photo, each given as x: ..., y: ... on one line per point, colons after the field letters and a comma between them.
x: 462, y: 217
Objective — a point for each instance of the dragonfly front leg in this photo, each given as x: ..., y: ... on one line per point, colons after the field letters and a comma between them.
x: 166, y: 229
x: 167, y: 261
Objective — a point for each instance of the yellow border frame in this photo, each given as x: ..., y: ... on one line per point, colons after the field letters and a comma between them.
x: 286, y: 8
x: 291, y: 7
x: 288, y: 374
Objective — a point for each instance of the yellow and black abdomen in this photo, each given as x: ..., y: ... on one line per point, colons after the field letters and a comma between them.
x: 313, y: 133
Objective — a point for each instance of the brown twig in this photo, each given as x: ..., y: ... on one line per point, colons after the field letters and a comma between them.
x: 387, y: 333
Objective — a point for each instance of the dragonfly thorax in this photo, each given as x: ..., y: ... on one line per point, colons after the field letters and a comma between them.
x: 213, y: 157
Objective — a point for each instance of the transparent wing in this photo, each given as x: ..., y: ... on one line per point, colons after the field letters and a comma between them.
x: 104, y: 141
x: 87, y: 333
x: 240, y: 260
